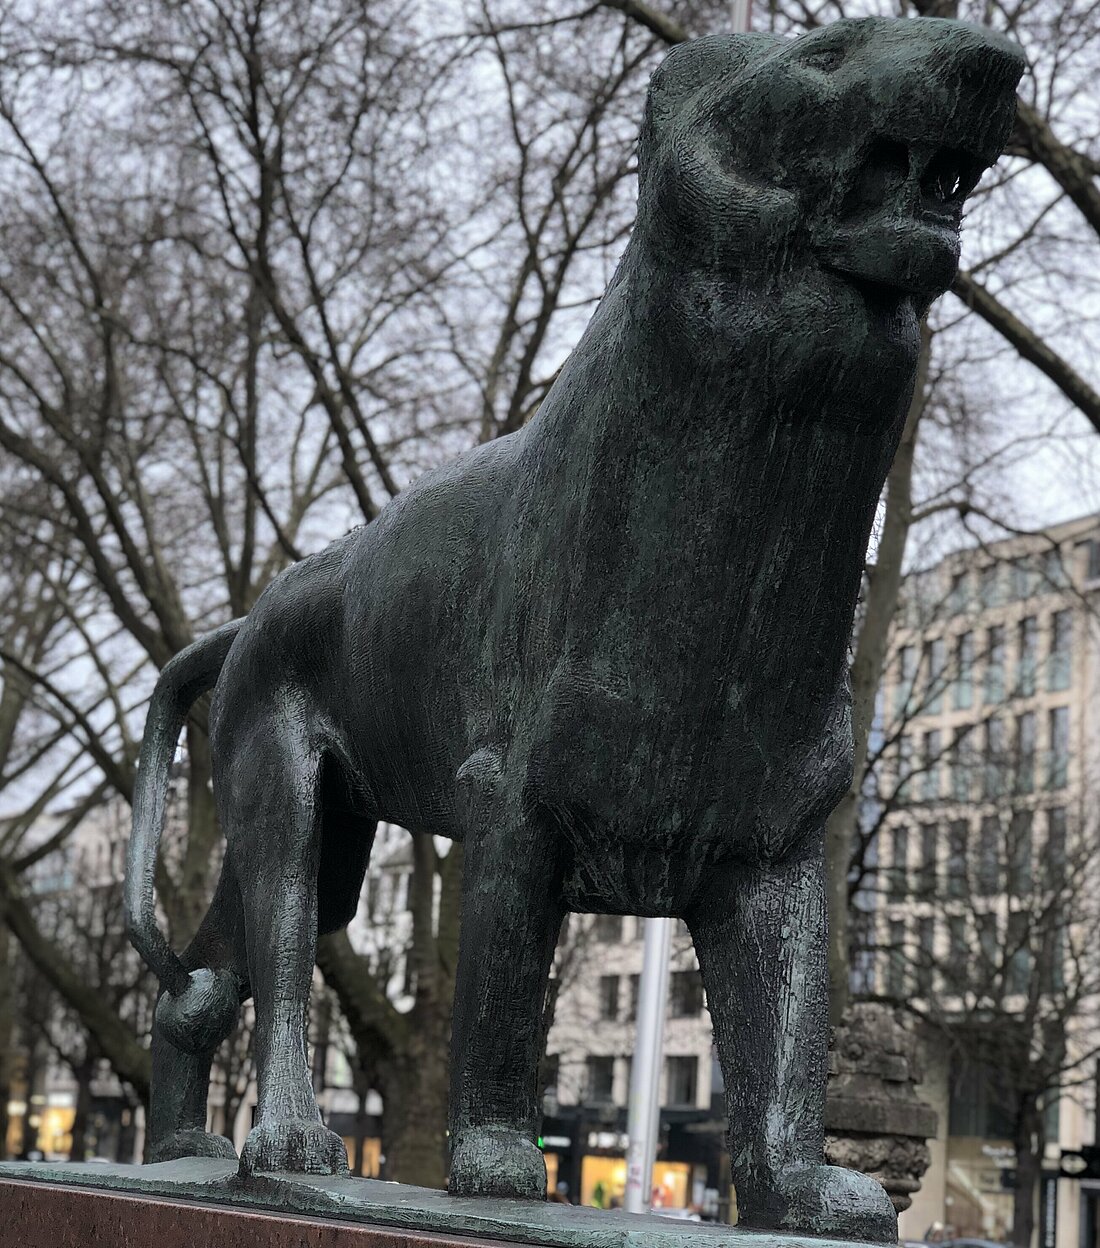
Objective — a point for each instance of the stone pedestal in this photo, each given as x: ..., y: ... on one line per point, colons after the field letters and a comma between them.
x: 874, y: 1121
x: 201, y: 1202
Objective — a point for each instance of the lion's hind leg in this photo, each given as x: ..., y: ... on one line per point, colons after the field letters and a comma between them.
x: 270, y: 801
x: 187, y: 1031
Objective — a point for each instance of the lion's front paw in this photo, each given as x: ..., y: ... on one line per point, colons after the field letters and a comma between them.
x: 496, y: 1161
x: 821, y: 1200
x: 300, y: 1145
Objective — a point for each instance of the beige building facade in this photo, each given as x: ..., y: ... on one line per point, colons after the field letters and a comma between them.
x: 979, y: 907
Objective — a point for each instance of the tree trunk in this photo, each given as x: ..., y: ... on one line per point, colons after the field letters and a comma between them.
x: 7, y: 1029
x: 414, y: 1086
x: 78, y: 1151
x: 883, y: 585
x: 113, y: 1038
x: 357, y: 1159
x: 1029, y: 1144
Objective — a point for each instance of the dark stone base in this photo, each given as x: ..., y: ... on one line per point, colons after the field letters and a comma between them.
x: 179, y: 1204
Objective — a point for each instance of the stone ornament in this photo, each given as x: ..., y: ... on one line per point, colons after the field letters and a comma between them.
x: 609, y: 651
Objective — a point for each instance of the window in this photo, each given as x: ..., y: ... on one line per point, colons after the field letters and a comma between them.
x: 1092, y: 565
x: 958, y: 594
x: 1059, y: 664
x: 1019, y: 853
x: 989, y: 585
x: 1054, y: 970
x: 682, y: 1080
x: 599, y: 1080
x: 957, y: 838
x: 861, y: 978
x: 1058, y: 771
x: 994, y: 757
x: 1021, y: 578
x: 632, y: 1007
x: 930, y: 777
x: 899, y: 861
x: 960, y: 765
x: 905, y: 766
x: 1056, y: 849
x: 929, y: 841
x: 907, y: 671
x: 979, y: 1097
x: 1054, y: 570
x: 988, y: 878
x: 936, y: 667
x: 608, y: 928
x: 958, y: 954
x: 989, y: 962
x: 963, y: 697
x: 685, y: 994
x: 1025, y: 753
x: 995, y: 665
x: 609, y: 996
x: 1019, y: 956
x: 926, y: 957
x: 895, y: 960
x: 1028, y: 638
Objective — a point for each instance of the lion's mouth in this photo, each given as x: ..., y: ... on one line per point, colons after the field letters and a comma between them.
x: 911, y: 180
x: 897, y: 231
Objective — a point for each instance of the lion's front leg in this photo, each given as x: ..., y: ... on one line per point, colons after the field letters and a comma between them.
x: 511, y: 915
x: 761, y: 938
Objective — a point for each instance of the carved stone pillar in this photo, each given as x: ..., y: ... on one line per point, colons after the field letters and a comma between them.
x: 874, y: 1120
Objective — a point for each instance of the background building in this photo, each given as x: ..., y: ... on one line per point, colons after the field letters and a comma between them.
x: 980, y: 904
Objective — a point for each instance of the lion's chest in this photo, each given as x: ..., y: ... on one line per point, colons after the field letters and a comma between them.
x: 651, y: 777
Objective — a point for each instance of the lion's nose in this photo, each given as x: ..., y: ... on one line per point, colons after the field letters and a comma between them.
x: 983, y: 57
x: 987, y: 59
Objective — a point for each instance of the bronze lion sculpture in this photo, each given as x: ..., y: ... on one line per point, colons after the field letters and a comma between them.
x: 609, y: 651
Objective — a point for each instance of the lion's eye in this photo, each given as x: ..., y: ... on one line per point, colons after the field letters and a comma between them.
x: 824, y: 59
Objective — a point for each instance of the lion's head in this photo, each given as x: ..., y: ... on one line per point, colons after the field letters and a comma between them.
x: 848, y: 150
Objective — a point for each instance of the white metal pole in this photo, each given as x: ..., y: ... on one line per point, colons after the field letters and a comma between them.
x: 740, y: 15
x: 644, y: 1110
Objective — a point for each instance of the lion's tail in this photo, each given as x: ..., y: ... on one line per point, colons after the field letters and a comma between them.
x: 190, y: 674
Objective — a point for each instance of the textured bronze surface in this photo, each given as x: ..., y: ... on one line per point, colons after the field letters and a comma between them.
x: 40, y: 1215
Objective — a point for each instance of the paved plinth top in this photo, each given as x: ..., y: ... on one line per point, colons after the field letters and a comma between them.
x: 420, y: 1211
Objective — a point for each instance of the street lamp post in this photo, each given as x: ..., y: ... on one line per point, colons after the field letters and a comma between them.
x: 643, y: 1112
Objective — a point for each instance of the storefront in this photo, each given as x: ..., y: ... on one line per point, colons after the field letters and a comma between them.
x: 587, y: 1160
